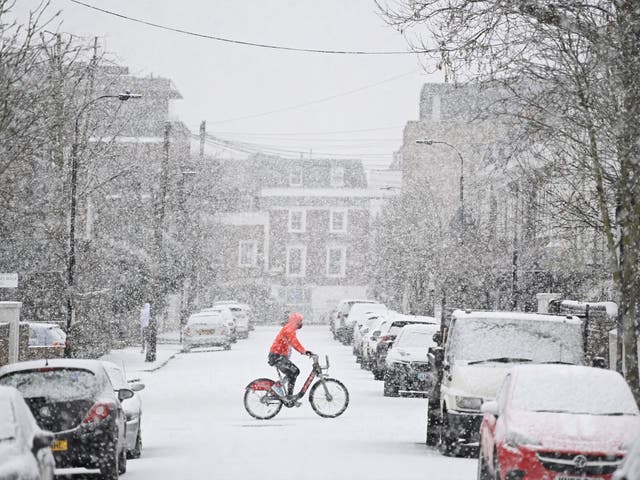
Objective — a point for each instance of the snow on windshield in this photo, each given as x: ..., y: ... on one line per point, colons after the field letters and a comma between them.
x: 56, y: 384
x: 7, y: 419
x: 575, y: 392
x: 478, y: 339
x: 415, y: 338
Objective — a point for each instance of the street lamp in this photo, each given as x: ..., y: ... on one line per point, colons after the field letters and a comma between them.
x: 71, y: 258
x: 436, y: 142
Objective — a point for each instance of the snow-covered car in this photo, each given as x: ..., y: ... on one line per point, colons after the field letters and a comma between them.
x: 206, y: 329
x: 371, y: 333
x: 132, y: 407
x: 75, y: 400
x: 557, y: 422
x: 25, y: 449
x: 407, y: 364
x: 480, y: 348
x: 238, y: 306
x: 342, y: 326
x: 46, y: 335
x: 388, y: 333
x: 630, y: 468
x: 359, y: 315
x: 227, y: 315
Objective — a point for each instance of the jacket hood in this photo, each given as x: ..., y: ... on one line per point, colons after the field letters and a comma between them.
x: 295, y: 319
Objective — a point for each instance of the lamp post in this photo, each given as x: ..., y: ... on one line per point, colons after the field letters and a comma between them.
x: 71, y: 257
x: 439, y: 142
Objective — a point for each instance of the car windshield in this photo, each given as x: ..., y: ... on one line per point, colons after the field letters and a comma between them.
x: 204, y: 320
x: 415, y: 338
x: 53, y: 383
x: 7, y: 419
x: 486, y: 339
x: 397, y: 326
x: 55, y: 336
x: 581, y: 392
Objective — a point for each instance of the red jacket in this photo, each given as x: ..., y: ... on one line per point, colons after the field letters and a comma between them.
x: 286, y: 338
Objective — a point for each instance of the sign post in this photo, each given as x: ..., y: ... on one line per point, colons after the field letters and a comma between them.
x: 10, y: 313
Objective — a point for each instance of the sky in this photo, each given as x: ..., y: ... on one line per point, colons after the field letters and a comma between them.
x: 316, y: 104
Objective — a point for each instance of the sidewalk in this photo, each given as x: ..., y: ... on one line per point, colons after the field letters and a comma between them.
x: 133, y: 359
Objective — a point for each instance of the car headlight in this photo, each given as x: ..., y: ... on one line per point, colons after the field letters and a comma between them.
x: 469, y: 403
x: 517, y: 439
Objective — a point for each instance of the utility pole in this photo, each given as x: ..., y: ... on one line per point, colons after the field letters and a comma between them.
x: 158, y: 290
x: 203, y: 136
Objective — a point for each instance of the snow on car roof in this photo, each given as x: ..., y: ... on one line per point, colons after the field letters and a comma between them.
x: 91, y: 365
x: 44, y: 325
x: 516, y: 316
x: 412, y: 318
x: 434, y: 327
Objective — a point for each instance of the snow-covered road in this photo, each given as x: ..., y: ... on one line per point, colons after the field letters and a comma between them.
x: 195, y: 425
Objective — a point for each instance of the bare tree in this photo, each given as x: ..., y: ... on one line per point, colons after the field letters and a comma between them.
x: 573, y: 71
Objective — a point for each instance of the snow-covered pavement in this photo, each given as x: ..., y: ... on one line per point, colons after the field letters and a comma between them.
x: 195, y: 425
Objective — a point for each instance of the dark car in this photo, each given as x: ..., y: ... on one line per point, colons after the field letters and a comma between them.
x: 76, y: 401
x: 25, y: 451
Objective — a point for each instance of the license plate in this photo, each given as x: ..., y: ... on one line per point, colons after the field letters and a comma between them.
x: 59, y: 445
x: 569, y: 477
x: 207, y: 332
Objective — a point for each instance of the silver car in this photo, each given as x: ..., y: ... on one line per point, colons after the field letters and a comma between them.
x: 132, y: 408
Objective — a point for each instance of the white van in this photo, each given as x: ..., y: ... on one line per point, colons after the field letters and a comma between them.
x: 479, y: 348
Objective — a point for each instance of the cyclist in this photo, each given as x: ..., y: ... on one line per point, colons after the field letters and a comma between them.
x: 280, y: 351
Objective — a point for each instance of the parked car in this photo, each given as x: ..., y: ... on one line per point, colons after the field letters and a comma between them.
x: 206, y: 329
x: 241, y: 317
x: 359, y: 314
x: 46, y: 335
x: 407, y: 364
x: 557, y: 421
x: 235, y: 306
x: 76, y: 401
x: 479, y: 349
x: 132, y: 407
x: 630, y: 468
x: 389, y: 330
x: 342, y: 327
x: 225, y: 312
x: 25, y: 449
x: 373, y: 328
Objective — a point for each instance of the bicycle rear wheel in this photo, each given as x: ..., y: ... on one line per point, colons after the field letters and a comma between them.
x: 330, y: 402
x: 261, y: 403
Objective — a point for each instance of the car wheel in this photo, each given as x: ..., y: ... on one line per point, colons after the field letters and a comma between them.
x: 446, y: 443
x: 137, y: 449
x: 377, y: 374
x: 109, y: 465
x: 483, y: 472
x: 186, y: 348
x: 227, y: 346
x: 122, y: 461
x: 390, y: 387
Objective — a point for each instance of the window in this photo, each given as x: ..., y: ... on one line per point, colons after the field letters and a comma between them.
x: 336, y: 261
x: 296, y: 261
x: 297, y: 220
x: 248, y: 252
x: 337, y: 176
x: 338, y: 221
x: 295, y: 178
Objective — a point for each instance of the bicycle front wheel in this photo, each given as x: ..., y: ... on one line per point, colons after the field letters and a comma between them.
x: 261, y: 404
x: 329, y: 398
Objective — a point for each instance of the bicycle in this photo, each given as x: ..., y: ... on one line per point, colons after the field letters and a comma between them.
x: 329, y: 398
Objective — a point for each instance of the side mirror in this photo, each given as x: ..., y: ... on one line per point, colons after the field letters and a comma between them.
x: 41, y: 439
x: 599, y: 362
x: 490, y: 407
x: 125, y: 394
x: 136, y: 387
x: 437, y: 338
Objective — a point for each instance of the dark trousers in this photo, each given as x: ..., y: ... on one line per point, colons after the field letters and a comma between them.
x: 287, y: 367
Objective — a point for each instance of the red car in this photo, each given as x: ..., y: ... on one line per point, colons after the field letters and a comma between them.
x: 557, y: 422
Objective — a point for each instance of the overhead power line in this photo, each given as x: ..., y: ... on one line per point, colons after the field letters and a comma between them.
x: 244, y: 42
x: 319, y: 100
